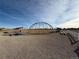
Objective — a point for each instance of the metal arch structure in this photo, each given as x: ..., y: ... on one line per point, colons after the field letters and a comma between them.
x: 33, y: 26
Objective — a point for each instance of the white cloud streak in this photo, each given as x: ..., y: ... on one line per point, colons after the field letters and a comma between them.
x: 74, y: 23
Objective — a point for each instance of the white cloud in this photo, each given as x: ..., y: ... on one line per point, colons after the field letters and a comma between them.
x: 70, y: 24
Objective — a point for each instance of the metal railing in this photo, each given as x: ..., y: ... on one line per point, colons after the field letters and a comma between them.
x: 74, y: 39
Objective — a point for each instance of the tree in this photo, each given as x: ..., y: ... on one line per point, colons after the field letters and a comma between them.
x: 58, y: 29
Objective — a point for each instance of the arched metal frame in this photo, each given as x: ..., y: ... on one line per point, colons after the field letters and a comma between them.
x: 38, y: 23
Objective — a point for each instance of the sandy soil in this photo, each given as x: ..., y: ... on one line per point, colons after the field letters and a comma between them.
x: 50, y: 46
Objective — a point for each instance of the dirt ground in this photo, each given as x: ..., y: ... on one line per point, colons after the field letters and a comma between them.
x: 50, y: 46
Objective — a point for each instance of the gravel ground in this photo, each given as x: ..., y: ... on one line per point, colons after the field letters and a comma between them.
x: 50, y: 46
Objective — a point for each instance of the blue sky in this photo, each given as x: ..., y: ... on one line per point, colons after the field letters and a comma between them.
x: 58, y: 13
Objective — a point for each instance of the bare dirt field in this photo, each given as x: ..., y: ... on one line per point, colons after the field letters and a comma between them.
x: 49, y: 46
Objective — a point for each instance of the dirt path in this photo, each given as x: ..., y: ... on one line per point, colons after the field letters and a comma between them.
x: 52, y: 46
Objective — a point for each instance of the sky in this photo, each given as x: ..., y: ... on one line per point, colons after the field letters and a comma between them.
x: 58, y: 13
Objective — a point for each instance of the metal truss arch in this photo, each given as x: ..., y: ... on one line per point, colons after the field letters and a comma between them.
x: 41, y: 25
